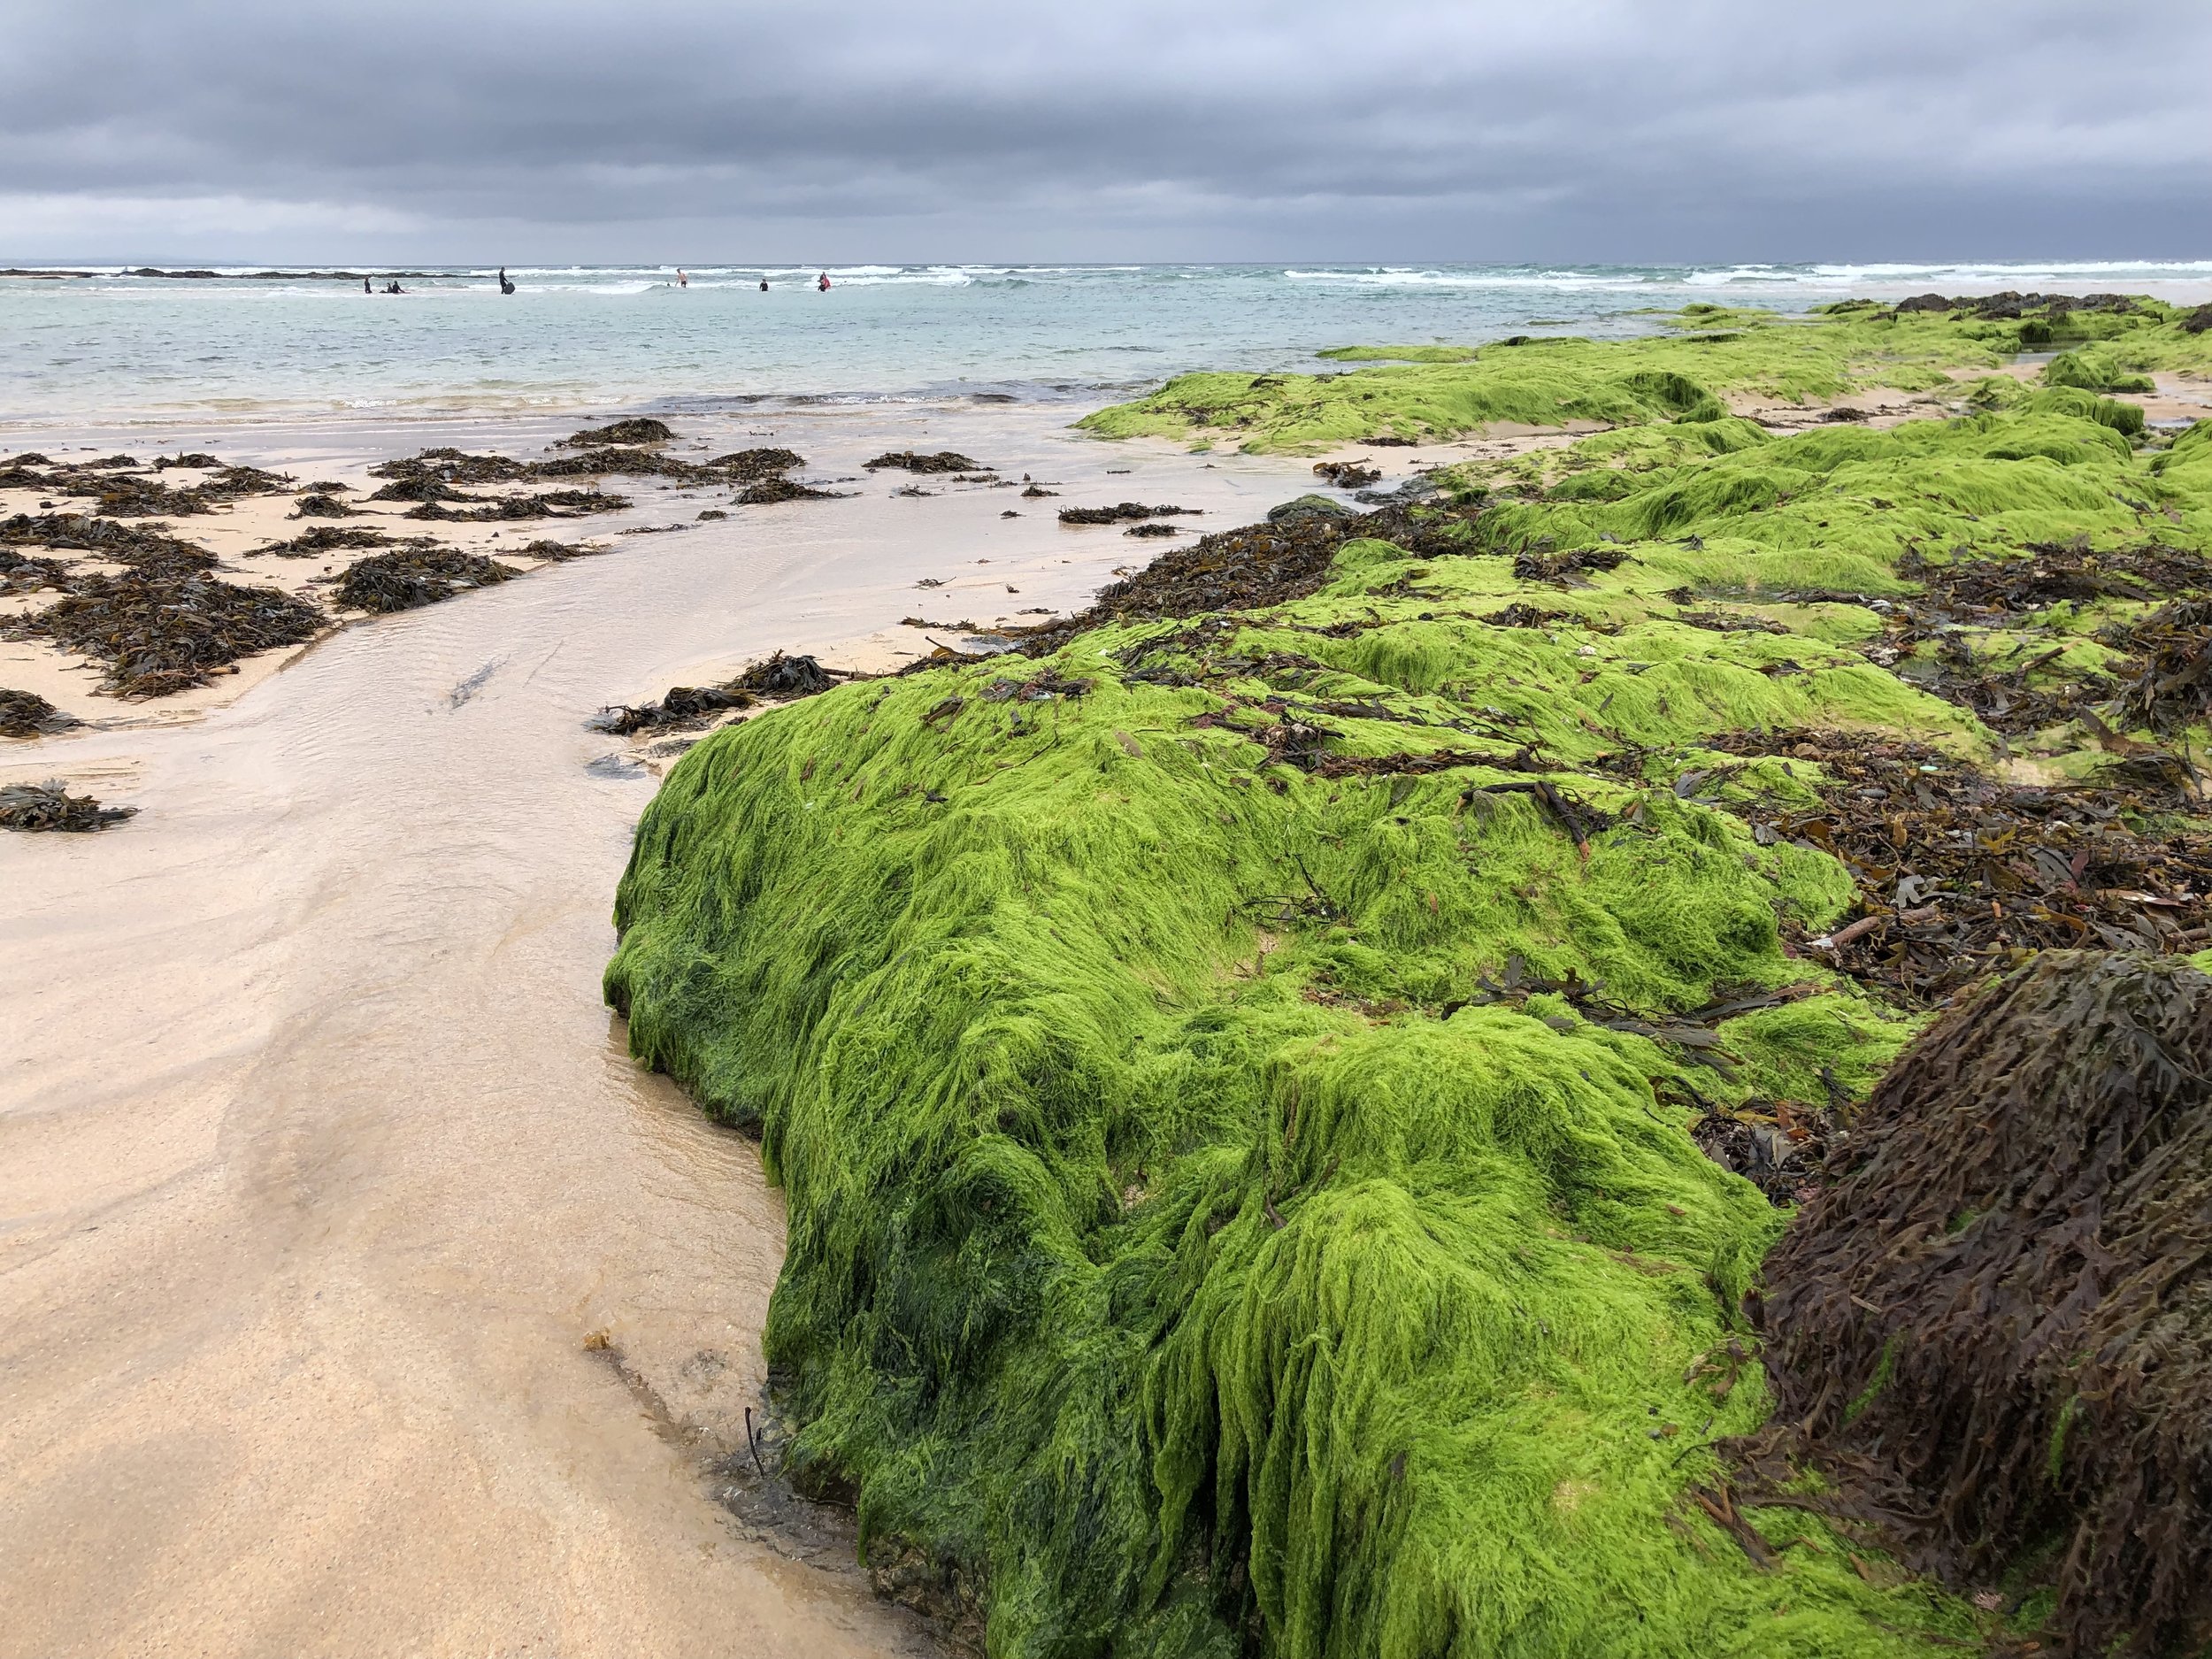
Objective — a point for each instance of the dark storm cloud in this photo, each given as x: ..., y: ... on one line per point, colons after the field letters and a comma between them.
x: 1293, y: 130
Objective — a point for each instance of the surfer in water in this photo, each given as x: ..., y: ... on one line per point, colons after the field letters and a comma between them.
x: 682, y: 281
x: 505, y: 287
x: 822, y: 282
x: 764, y: 284
x: 366, y: 288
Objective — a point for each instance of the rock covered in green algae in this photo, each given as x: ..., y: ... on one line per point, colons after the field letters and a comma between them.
x: 1236, y: 1122
x: 1679, y: 375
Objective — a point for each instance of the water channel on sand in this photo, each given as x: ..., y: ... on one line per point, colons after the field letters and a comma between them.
x: 327, y: 1192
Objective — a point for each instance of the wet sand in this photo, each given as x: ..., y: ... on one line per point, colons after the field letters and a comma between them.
x: 357, y: 1295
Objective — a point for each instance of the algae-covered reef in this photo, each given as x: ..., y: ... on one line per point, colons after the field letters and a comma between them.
x: 1705, y: 357
x: 1242, y: 1075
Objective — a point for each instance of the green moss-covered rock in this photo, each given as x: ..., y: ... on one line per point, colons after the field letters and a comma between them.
x: 1224, y: 1216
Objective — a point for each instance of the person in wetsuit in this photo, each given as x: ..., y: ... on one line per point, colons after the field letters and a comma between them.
x: 822, y: 282
x: 505, y: 287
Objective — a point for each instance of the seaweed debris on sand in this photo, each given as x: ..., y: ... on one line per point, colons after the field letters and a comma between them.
x: 913, y: 461
x: 27, y: 714
x: 412, y: 576
x: 161, y: 633
x: 1123, y: 512
x: 637, y: 429
x: 50, y: 806
x: 1244, y: 1126
x: 1993, y: 1324
x: 455, y: 508
x: 322, y: 539
x: 778, y: 678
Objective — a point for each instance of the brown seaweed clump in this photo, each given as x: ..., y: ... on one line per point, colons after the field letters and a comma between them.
x: 774, y: 486
x: 411, y: 577
x: 552, y: 504
x: 776, y: 679
x: 324, y: 538
x: 1959, y: 871
x: 2171, y: 687
x: 142, y: 545
x: 160, y: 633
x: 1253, y: 565
x: 913, y: 461
x: 1348, y: 474
x: 50, y: 806
x: 1994, y: 1327
x: 638, y: 429
x: 27, y: 714
x: 744, y: 466
x: 1120, y: 512
x: 448, y: 465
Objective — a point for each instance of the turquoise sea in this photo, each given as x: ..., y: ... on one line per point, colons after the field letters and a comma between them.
x: 115, y: 345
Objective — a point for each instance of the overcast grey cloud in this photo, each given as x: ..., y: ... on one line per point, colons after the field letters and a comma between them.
x: 1570, y: 129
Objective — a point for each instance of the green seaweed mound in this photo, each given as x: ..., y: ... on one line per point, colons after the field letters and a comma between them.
x: 1234, y: 1078
x: 1440, y: 393
x: 1135, y: 1267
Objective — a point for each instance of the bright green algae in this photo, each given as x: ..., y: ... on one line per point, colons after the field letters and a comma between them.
x: 1038, y: 1093
x: 1170, y: 1246
x: 1680, y: 375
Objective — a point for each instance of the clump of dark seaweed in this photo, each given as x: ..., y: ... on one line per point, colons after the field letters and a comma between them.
x: 129, y: 497
x: 413, y: 576
x: 1347, y: 474
x: 745, y: 466
x: 50, y: 806
x: 552, y: 504
x: 637, y: 429
x: 325, y: 538
x: 774, y: 487
x: 27, y: 714
x: 629, y: 462
x: 316, y: 505
x: 145, y: 546
x: 20, y: 573
x: 1153, y: 530
x: 913, y: 461
x: 425, y: 486
x: 776, y: 679
x: 195, y: 460
x: 2173, y: 688
x: 1119, y: 513
x: 1959, y: 872
x: 232, y: 483
x: 1995, y: 1324
x: 782, y: 677
x: 1968, y: 588
x: 555, y: 552
x: 161, y: 632
x: 1254, y: 566
x: 448, y: 466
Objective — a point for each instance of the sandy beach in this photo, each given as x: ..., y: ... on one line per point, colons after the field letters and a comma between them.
x: 360, y: 1295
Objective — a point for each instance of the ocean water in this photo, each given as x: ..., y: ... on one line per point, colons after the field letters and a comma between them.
x: 115, y: 346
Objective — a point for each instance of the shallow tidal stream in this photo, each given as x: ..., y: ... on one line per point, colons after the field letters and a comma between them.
x: 358, y: 1294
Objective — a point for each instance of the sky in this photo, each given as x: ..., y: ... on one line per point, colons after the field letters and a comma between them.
x: 835, y: 131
